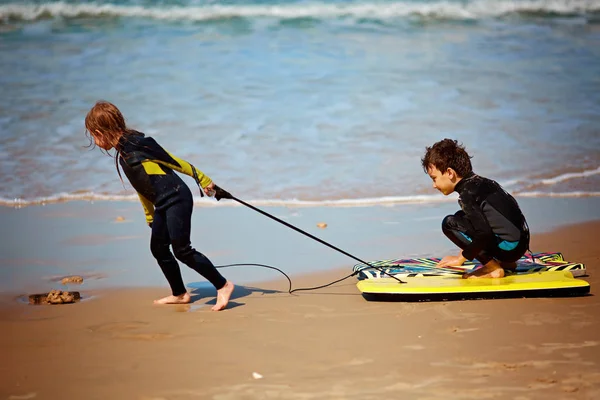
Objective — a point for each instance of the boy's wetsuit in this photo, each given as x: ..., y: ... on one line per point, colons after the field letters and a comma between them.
x: 490, y: 224
x: 168, y: 205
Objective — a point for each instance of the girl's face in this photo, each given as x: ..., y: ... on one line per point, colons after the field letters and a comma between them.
x: 100, y: 140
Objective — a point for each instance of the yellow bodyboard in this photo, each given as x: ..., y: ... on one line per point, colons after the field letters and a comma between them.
x: 455, y: 284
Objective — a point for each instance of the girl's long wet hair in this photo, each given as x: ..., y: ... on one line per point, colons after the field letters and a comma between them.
x: 105, y: 124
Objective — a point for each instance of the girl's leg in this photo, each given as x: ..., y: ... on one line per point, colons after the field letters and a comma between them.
x: 159, y: 246
x: 179, y: 221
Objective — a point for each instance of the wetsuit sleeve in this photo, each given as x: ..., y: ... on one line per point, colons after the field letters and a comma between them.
x: 185, y: 167
x: 158, y: 154
x: 148, y: 208
x: 483, y: 235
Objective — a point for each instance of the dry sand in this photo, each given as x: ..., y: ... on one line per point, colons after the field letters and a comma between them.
x: 325, y: 344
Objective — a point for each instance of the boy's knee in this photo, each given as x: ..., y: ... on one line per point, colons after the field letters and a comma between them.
x: 448, y: 223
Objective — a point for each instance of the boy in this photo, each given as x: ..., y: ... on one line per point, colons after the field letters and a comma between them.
x: 490, y: 227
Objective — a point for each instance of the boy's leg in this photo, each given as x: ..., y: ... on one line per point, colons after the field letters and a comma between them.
x: 508, y: 258
x: 502, y: 261
x: 458, y: 229
x: 179, y: 220
x: 159, y: 246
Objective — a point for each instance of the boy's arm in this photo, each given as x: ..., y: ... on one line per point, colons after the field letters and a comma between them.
x: 148, y: 209
x: 482, y: 231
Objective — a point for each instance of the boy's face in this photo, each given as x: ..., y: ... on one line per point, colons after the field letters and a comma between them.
x: 442, y: 181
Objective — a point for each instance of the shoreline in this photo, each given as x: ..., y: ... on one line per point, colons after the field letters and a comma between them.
x: 280, y: 284
x: 203, y: 202
x: 107, y: 243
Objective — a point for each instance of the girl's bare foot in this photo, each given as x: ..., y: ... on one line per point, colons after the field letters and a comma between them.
x: 490, y: 270
x: 181, y: 299
x: 223, y: 296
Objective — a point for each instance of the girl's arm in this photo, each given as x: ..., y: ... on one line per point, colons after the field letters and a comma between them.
x: 148, y: 209
x: 185, y: 167
x: 159, y: 155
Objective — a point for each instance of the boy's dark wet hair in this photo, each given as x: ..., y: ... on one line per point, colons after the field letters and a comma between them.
x: 447, y: 153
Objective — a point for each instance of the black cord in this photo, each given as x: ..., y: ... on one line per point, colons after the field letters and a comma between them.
x: 529, y: 237
x: 312, y: 237
x: 223, y: 194
x: 290, y: 291
x: 322, y: 286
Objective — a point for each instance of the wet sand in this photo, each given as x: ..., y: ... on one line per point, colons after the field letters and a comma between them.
x: 324, y: 344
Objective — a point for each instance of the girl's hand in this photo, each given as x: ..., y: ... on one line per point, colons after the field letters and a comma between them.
x: 210, y: 189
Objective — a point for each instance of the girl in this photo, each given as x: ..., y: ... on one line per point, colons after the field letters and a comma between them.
x: 166, y: 199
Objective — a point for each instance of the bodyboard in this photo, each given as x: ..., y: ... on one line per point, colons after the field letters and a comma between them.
x: 448, y: 287
x: 413, y: 267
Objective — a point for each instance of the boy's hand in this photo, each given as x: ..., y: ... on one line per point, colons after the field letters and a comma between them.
x: 452, y: 261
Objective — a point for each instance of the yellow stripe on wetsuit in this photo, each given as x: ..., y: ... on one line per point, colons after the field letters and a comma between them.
x: 152, y: 167
x: 148, y: 208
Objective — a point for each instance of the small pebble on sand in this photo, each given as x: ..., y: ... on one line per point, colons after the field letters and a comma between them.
x: 72, y: 279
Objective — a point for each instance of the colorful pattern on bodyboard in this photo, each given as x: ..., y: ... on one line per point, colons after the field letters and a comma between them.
x: 414, y: 267
x: 448, y: 287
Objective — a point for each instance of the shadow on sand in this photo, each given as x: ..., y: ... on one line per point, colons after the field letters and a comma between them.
x: 201, y: 290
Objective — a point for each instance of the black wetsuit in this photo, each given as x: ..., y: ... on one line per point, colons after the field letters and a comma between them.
x: 168, y: 205
x: 490, y: 224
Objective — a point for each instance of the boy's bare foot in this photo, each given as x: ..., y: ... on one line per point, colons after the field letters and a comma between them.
x: 181, y: 299
x: 223, y: 296
x: 490, y: 270
x: 509, y: 266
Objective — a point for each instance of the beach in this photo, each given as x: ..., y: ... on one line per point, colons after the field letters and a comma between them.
x: 327, y: 343
x: 318, y: 113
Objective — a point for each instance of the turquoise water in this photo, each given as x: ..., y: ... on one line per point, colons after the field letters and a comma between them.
x: 321, y: 102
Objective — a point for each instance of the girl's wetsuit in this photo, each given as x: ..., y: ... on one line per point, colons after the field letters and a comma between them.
x: 168, y: 205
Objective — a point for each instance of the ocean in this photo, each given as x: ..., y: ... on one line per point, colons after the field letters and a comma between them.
x: 303, y: 102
